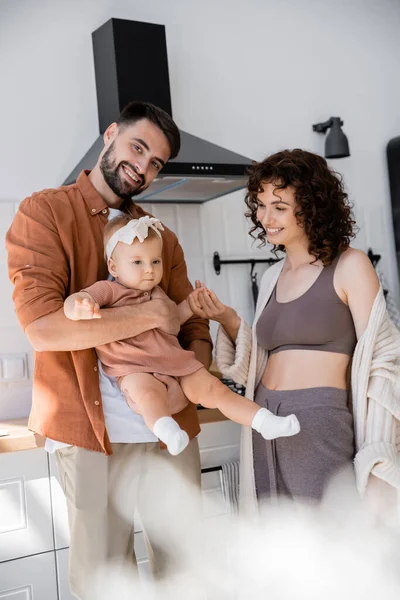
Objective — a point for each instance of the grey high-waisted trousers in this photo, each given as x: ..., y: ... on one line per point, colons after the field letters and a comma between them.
x: 301, y: 466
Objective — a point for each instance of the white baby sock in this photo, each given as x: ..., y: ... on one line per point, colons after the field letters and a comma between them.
x: 271, y: 426
x: 169, y: 432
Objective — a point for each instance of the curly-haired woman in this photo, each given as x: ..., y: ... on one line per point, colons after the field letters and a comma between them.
x: 318, y: 309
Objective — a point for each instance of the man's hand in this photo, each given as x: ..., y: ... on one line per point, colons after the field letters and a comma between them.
x: 177, y: 400
x: 167, y: 313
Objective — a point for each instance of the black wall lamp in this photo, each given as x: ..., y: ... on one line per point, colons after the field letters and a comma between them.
x: 336, y: 143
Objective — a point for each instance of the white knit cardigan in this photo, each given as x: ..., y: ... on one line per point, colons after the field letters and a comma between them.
x: 375, y: 391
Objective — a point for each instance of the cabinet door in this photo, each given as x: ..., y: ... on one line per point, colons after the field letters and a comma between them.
x: 213, y: 500
x: 25, y: 515
x: 62, y: 570
x: 59, y: 506
x: 62, y: 575
x: 31, y: 578
x: 219, y: 443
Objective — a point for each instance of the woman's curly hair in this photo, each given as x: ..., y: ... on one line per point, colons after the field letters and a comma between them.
x: 322, y: 205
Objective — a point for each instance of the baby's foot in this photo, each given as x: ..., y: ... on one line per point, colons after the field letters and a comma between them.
x: 178, y: 442
x: 271, y: 426
x: 169, y: 432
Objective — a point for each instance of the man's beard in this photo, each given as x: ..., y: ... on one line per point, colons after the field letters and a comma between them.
x: 110, y: 171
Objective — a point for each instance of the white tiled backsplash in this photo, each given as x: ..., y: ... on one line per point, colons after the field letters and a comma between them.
x: 15, y: 398
x: 202, y: 229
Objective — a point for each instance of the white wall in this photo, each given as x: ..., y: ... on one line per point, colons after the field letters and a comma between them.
x: 252, y: 77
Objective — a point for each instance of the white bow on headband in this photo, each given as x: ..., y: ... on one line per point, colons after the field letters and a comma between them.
x: 137, y: 228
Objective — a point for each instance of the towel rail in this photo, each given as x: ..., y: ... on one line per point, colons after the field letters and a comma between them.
x: 211, y: 469
x: 217, y: 262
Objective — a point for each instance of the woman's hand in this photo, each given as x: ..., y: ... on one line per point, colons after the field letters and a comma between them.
x: 205, y: 303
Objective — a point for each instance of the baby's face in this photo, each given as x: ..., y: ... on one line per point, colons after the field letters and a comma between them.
x: 138, y: 266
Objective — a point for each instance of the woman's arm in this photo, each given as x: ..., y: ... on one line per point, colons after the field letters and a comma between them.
x: 358, y: 286
x: 233, y: 344
x: 206, y: 304
x: 361, y: 285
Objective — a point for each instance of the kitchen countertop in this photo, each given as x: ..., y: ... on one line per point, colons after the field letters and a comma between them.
x: 21, y: 438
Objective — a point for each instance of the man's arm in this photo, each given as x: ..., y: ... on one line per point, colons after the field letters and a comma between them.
x: 81, y: 306
x: 202, y: 351
x: 55, y: 332
x: 39, y: 270
x: 201, y: 348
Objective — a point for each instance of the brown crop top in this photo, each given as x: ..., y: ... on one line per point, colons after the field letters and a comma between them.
x: 317, y: 320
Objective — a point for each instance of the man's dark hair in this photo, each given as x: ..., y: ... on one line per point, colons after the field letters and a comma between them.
x: 136, y: 111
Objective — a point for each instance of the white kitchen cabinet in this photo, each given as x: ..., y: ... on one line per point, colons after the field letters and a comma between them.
x: 31, y: 578
x: 59, y: 505
x: 140, y: 546
x: 219, y: 443
x: 25, y: 506
x: 144, y: 569
x: 62, y: 575
x: 33, y: 516
x: 211, y: 490
x: 62, y: 557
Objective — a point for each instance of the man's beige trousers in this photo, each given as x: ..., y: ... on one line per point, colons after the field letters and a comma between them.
x: 103, y: 492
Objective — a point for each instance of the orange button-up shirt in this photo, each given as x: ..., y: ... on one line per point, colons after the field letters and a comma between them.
x: 55, y: 248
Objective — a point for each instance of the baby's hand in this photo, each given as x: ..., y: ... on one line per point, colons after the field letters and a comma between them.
x: 85, y: 308
x: 204, y: 303
x: 196, y: 299
x: 201, y: 287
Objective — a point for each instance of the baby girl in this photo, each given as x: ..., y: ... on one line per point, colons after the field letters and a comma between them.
x: 133, y: 250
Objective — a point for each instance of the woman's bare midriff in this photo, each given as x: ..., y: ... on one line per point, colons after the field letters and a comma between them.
x: 299, y: 369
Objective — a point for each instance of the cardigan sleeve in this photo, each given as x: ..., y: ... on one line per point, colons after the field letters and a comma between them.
x: 232, y: 359
x: 378, y: 454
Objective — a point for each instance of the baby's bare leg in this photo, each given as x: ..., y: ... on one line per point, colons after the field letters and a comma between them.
x: 203, y: 388
x: 148, y: 397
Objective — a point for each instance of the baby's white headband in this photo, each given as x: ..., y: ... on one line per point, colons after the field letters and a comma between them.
x: 137, y: 228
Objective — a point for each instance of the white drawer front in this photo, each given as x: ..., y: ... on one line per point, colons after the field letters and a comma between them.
x: 219, y: 443
x: 144, y: 569
x: 140, y: 546
x: 220, y: 433
x: 25, y: 511
x: 31, y: 578
x: 62, y: 557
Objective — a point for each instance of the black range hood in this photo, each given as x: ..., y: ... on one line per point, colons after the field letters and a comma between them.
x: 131, y: 63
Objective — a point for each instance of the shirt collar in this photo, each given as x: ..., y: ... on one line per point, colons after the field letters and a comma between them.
x: 95, y: 202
